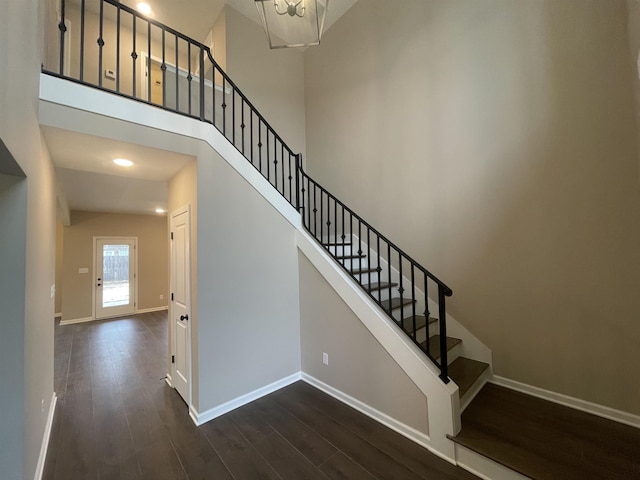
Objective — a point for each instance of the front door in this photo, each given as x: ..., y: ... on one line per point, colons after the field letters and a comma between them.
x: 115, y: 276
x: 181, y: 302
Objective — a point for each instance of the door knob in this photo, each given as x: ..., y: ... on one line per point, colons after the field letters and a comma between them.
x: 184, y: 317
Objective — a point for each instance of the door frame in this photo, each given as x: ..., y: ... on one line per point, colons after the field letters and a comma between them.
x: 172, y: 331
x: 95, y: 271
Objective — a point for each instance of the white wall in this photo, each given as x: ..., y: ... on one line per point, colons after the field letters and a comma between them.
x: 21, y: 33
x: 495, y: 141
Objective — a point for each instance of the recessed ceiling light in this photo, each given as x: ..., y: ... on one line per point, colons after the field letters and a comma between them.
x: 160, y: 210
x: 144, y: 8
x: 123, y: 162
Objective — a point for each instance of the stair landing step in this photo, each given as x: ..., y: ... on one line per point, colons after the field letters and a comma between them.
x: 465, y: 371
x: 545, y: 440
x: 395, y: 302
x: 434, y: 345
x: 372, y: 287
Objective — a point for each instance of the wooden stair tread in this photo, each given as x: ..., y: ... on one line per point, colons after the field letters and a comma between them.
x: 349, y: 257
x: 372, y: 287
x: 407, y: 323
x: 364, y: 270
x: 465, y: 371
x: 434, y: 345
x: 396, y: 302
x: 337, y: 244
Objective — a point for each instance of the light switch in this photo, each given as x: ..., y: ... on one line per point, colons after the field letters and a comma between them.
x: 83, y: 270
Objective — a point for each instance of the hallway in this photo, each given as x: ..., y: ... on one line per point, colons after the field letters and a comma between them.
x: 117, y: 419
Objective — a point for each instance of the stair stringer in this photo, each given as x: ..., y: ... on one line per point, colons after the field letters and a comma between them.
x: 443, y: 404
x: 472, y: 347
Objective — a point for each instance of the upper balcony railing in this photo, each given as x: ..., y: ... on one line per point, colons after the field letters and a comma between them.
x: 110, y: 46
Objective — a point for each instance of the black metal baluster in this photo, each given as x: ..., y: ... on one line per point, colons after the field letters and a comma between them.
x: 426, y: 313
x: 400, y: 288
x: 100, y: 43
x: 260, y: 145
x: 315, y: 211
x: 251, y: 134
x: 275, y: 161
x: 388, y: 272
x: 242, y: 125
x: 63, y: 29
x: 148, y: 61
x: 118, y: 47
x: 444, y: 368
x: 177, y: 107
x: 368, y: 252
x: 202, y: 84
x: 134, y: 55
x: 379, y: 268
x: 360, y: 248
x: 321, y: 215
x: 268, y: 158
x: 291, y: 196
x: 233, y: 115
x: 82, y: 8
x: 282, y: 172
x: 224, y: 106
x: 213, y: 94
x: 413, y: 306
x: 189, y: 77
x: 335, y: 221
x: 163, y: 67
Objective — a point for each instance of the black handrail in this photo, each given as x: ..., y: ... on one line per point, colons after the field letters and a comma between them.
x: 347, y: 231
x: 262, y: 147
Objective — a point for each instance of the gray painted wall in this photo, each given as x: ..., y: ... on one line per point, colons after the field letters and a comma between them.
x: 13, y: 238
x: 358, y: 365
x: 248, y: 310
x: 495, y: 141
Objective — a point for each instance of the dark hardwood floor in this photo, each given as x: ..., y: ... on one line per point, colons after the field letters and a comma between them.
x: 547, y: 441
x: 117, y: 419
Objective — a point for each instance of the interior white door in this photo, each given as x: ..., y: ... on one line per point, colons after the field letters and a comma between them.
x: 115, y: 276
x: 181, y: 302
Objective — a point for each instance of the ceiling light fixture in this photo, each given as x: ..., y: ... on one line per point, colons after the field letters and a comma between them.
x: 160, y: 210
x: 144, y: 8
x: 291, y: 23
x: 123, y: 162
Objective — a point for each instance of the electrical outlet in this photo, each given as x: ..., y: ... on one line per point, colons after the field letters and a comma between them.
x: 161, y: 297
x: 325, y: 358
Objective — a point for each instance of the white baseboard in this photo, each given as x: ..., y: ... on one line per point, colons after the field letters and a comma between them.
x: 77, y: 320
x: 154, y: 309
x: 45, y: 438
x: 204, y: 417
x: 169, y: 380
x: 583, y: 405
x: 407, y: 431
x: 56, y: 315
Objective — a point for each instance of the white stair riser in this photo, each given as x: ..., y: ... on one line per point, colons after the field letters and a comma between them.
x: 422, y: 332
x: 354, y: 263
x: 365, y: 278
x: 340, y: 250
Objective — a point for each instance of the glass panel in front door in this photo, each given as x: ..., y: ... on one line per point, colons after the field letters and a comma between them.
x: 116, y: 290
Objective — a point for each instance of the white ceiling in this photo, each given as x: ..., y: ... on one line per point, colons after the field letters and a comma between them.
x: 91, y: 181
x: 84, y: 163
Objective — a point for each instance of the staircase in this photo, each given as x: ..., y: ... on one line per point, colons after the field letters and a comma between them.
x: 405, y: 312
x: 412, y: 298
